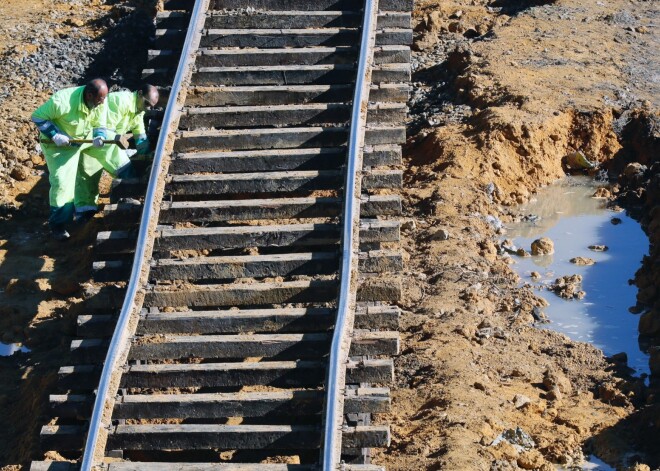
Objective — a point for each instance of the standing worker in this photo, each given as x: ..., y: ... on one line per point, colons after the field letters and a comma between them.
x: 70, y: 114
x: 125, y: 113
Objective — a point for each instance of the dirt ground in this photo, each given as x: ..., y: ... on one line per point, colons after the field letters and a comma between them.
x: 502, y: 92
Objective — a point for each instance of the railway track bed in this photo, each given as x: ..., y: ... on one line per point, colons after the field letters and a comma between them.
x: 226, y: 334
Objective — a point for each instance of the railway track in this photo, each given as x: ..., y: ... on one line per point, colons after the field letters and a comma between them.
x: 259, y: 323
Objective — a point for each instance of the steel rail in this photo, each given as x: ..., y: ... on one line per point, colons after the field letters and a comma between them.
x: 336, y: 378
x: 120, y: 336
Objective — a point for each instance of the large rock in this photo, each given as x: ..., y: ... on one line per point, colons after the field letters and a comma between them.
x: 649, y: 323
x: 543, y: 246
x: 654, y: 360
x: 553, y: 378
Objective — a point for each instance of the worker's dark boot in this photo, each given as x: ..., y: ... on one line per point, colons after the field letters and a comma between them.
x: 59, y: 233
x: 84, y: 217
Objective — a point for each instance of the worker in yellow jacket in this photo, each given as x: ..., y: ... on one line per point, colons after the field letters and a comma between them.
x: 70, y: 114
x: 124, y: 113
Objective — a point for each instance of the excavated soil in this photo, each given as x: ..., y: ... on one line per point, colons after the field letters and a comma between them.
x: 503, y: 93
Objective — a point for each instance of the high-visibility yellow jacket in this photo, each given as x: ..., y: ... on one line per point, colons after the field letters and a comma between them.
x: 67, y: 112
x: 123, y: 115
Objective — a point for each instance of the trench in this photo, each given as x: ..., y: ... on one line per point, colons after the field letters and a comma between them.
x: 567, y: 213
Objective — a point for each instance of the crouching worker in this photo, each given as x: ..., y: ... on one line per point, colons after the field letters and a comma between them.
x: 125, y: 113
x: 71, y: 114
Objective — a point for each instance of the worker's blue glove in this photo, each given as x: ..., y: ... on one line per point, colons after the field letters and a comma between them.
x: 142, y: 144
x: 60, y: 140
x: 97, y: 141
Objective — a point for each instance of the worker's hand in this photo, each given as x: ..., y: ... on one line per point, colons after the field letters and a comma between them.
x: 61, y: 140
x: 142, y: 146
x: 98, y: 141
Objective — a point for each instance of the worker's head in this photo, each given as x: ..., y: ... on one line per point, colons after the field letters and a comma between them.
x: 95, y: 92
x: 147, y: 97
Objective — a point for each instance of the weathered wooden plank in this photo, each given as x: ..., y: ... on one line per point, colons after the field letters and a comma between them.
x: 282, y: 320
x: 282, y: 346
x: 381, y: 261
x: 302, y: 5
x: 286, y: 37
x: 263, y: 182
x: 369, y: 290
x: 280, y: 208
x: 318, y: 74
x: 99, y: 325
x: 61, y: 437
x: 52, y: 466
x: 299, y: 19
x: 279, y: 374
x: 298, y: 5
x: 163, y: 466
x: 245, y: 266
x: 287, y: 115
x: 275, y: 182
x: 291, y: 94
x: 257, y: 266
x: 279, y: 159
x: 280, y: 138
x: 221, y: 405
x: 232, y: 237
x: 244, y: 294
x: 241, y: 437
x: 307, y: 56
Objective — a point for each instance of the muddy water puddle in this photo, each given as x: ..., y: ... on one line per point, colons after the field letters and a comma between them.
x: 566, y: 213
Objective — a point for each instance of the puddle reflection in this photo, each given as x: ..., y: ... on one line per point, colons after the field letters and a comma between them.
x: 574, y: 221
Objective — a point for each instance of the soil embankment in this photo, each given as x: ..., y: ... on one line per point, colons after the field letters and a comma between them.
x: 503, y: 92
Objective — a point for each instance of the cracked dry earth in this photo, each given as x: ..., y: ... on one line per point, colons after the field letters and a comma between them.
x: 502, y: 92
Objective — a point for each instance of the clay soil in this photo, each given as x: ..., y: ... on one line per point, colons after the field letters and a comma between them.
x: 503, y: 92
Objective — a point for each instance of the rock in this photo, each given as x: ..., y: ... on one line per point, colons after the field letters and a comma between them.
x: 485, y: 324
x: 568, y: 287
x: 535, y: 275
x: 20, y: 173
x: 554, y: 394
x: 480, y: 386
x: 554, y: 378
x: 599, y: 248
x: 75, y: 22
x: 516, y: 437
x: 457, y: 14
x: 520, y: 400
x: 522, y: 253
x: 517, y: 373
x: 654, y: 360
x: 607, y: 392
x: 531, y: 459
x: 65, y: 286
x: 621, y: 358
x: 440, y: 234
x: 582, y: 261
x: 602, y: 192
x: 649, y: 323
x: 634, y: 171
x: 543, y: 246
x: 616, y: 221
x: 409, y: 225
x: 464, y: 331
